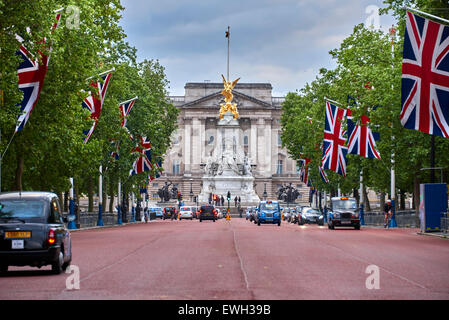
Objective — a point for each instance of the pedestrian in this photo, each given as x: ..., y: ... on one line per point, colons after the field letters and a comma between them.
x: 387, y: 213
x: 222, y: 200
x: 240, y: 200
x: 235, y: 201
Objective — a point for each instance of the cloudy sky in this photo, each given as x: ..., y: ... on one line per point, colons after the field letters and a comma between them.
x: 283, y: 42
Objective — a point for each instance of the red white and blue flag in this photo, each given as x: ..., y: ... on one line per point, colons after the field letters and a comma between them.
x: 361, y: 140
x: 94, y: 102
x: 334, y: 149
x: 425, y: 76
x: 143, y: 163
x: 125, y: 108
x: 323, y: 175
x: 304, y: 172
x: 31, y: 74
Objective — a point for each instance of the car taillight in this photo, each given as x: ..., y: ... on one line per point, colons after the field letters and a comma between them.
x: 51, y: 236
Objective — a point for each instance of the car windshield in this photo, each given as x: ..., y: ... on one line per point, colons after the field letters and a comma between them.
x: 269, y: 206
x: 344, y: 204
x: 313, y: 211
x: 22, y: 208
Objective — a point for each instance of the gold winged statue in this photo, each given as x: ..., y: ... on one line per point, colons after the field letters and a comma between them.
x: 227, y: 93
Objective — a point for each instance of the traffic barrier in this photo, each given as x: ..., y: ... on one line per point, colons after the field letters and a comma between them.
x: 404, y: 219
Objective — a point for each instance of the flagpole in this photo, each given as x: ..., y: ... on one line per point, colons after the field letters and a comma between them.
x: 426, y: 14
x: 135, y: 98
x: 119, y: 214
x: 100, y: 222
x: 229, y: 44
x: 393, y: 223
x: 327, y: 99
x: 100, y: 74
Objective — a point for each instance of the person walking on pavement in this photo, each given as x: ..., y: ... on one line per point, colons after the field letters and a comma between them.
x: 222, y: 201
x: 387, y: 213
x: 235, y: 201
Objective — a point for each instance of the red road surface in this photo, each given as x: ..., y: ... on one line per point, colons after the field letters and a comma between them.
x: 239, y: 260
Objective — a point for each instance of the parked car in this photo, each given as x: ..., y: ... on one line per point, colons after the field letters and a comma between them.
x: 293, y: 215
x: 286, y: 215
x: 219, y: 213
x: 310, y: 215
x: 158, y: 211
x: 208, y: 212
x: 185, y: 213
x: 268, y: 212
x: 343, y: 213
x: 170, y: 213
x: 33, y: 231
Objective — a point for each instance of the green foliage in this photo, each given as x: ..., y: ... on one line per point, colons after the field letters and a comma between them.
x: 366, y: 57
x: 51, y: 144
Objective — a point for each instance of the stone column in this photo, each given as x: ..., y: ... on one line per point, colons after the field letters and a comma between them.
x: 187, y: 146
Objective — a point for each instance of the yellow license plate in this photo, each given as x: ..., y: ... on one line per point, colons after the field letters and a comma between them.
x: 17, y: 234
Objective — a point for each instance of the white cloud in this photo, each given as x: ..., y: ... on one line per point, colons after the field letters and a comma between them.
x: 284, y: 42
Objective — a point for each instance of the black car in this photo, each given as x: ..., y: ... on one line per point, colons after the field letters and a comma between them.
x: 32, y: 231
x: 169, y: 213
x: 310, y: 215
x: 207, y: 212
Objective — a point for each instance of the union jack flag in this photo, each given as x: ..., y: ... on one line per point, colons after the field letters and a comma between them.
x: 142, y: 164
x: 125, y: 108
x: 425, y: 76
x: 361, y: 140
x: 157, y: 171
x: 94, y: 102
x: 304, y: 172
x: 334, y: 149
x: 323, y: 175
x: 31, y: 74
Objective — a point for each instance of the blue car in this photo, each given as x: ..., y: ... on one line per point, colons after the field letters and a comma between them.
x: 268, y: 212
x: 158, y: 211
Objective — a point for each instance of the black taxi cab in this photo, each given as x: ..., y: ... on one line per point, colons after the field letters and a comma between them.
x: 343, y: 213
x: 33, y: 231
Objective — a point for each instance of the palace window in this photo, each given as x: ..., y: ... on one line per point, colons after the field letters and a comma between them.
x: 176, y: 167
x: 279, y: 167
x: 245, y: 141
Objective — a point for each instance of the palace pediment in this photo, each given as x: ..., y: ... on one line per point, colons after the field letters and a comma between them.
x: 214, y: 100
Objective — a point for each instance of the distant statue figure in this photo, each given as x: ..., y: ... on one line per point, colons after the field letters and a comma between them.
x: 227, y: 93
x: 164, y: 193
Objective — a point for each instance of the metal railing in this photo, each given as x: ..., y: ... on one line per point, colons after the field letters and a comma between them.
x: 404, y: 219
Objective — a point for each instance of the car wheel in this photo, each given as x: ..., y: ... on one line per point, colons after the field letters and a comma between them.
x: 279, y: 223
x: 201, y: 220
x: 357, y: 227
x: 56, y: 267
x: 258, y: 223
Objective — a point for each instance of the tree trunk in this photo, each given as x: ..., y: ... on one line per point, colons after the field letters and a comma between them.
x: 402, y: 203
x: 104, y: 198
x: 111, y: 196
x: 19, y: 172
x: 416, y: 194
x: 366, y: 203
x: 382, y: 201
x: 66, y: 201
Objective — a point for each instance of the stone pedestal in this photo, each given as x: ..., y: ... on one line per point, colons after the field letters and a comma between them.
x: 228, y: 169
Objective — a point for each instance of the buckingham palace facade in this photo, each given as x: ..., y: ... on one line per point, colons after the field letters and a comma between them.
x: 196, y: 137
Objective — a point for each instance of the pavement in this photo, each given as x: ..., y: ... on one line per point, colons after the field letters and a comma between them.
x: 234, y: 260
